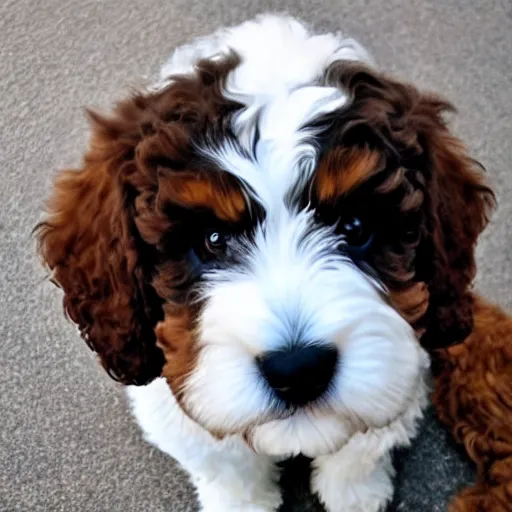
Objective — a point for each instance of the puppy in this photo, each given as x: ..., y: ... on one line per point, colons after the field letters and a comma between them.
x: 261, y: 246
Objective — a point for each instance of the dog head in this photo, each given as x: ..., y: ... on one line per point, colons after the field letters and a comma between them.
x: 274, y: 247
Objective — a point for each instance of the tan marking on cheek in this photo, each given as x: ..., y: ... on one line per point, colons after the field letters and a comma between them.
x: 195, y: 190
x: 177, y: 339
x: 411, y: 302
x: 343, y: 169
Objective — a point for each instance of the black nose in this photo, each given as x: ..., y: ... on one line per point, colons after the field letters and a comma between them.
x: 299, y: 374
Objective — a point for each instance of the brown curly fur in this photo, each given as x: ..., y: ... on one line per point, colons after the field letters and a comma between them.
x: 110, y: 240
x: 473, y: 397
x: 436, y: 199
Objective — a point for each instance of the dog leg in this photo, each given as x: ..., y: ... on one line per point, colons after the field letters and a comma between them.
x: 236, y: 479
x: 349, y: 481
x: 358, y: 478
x: 227, y: 474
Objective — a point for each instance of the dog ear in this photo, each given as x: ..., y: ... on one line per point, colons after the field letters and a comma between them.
x: 95, y: 254
x: 459, y: 203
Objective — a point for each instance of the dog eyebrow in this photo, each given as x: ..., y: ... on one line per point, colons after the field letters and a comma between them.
x: 343, y: 169
x: 215, y: 191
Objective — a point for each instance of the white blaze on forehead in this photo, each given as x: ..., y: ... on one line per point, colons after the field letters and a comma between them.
x: 285, y: 152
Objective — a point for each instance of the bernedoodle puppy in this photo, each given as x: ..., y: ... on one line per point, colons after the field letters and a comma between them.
x: 267, y: 246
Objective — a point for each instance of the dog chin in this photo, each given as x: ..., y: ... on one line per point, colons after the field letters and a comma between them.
x: 314, y: 433
x: 305, y: 432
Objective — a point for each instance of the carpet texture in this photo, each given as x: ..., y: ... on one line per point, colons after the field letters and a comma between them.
x: 66, y: 440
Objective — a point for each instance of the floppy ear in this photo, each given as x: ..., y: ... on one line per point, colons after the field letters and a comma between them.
x: 90, y: 244
x: 458, y: 206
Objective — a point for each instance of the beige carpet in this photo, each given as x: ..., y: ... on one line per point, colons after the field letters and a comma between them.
x: 66, y: 440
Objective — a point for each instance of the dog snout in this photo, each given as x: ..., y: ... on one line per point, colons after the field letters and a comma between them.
x: 299, y: 374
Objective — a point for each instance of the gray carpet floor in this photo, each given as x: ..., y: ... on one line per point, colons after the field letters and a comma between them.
x: 66, y: 440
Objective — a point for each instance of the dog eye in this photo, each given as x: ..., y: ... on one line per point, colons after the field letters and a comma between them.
x: 355, y: 231
x: 216, y: 241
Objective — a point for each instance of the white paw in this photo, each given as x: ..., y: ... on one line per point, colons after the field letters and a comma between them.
x: 235, y: 508
x: 344, y: 495
x: 215, y: 498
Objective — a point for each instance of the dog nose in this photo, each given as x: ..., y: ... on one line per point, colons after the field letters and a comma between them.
x: 299, y: 374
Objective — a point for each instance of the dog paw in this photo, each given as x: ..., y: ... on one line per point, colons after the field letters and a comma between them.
x: 367, y: 495
x: 348, y: 503
x: 215, y: 498
x: 236, y: 507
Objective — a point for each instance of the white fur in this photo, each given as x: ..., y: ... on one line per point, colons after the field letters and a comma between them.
x: 358, y: 478
x: 292, y: 280
x: 285, y: 154
x: 227, y: 474
x: 278, y: 53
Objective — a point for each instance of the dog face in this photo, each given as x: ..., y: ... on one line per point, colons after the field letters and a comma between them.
x: 275, y: 252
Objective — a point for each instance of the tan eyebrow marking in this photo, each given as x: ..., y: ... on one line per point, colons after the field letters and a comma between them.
x: 199, y: 190
x: 343, y: 169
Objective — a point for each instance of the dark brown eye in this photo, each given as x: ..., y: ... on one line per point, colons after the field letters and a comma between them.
x: 355, y: 232
x: 216, y: 241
